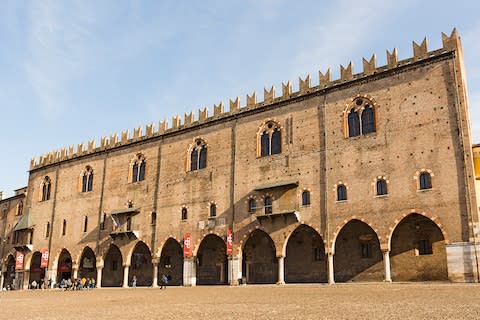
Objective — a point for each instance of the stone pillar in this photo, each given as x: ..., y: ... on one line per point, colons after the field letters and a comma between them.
x: 331, y: 273
x: 281, y: 270
x: 75, y: 272
x: 26, y: 279
x: 1, y: 278
x: 386, y: 264
x: 99, y: 277
x: 125, y: 276
x: 155, y: 274
x: 234, y: 270
x: 52, y: 275
x: 189, y: 272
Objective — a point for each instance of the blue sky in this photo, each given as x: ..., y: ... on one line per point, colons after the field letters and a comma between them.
x: 71, y: 71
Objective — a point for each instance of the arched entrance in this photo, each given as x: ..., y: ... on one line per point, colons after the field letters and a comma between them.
x: 141, y: 265
x: 212, y: 264
x: 171, y: 263
x: 88, y: 263
x: 259, y: 263
x: 305, y: 260
x: 112, y: 275
x: 36, y: 272
x: 357, y: 254
x: 64, y: 267
x: 418, y: 250
x: 9, y: 275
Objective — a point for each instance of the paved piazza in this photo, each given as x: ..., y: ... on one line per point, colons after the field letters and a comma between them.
x: 346, y: 301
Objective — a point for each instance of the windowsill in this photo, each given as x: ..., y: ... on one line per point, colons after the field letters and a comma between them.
x: 183, y: 220
x: 341, y: 201
x: 370, y: 134
x: 305, y: 206
x: 270, y: 156
x: 424, y: 190
x: 212, y: 218
x: 381, y: 196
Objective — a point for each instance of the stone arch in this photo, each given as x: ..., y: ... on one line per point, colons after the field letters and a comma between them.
x: 357, y: 253
x: 9, y: 274
x: 87, y: 264
x: 345, y: 222
x: 305, y: 259
x: 259, y: 261
x: 350, y: 105
x: 141, y: 266
x: 418, y: 250
x: 171, y: 262
x: 113, y: 267
x: 64, y: 265
x: 212, y: 263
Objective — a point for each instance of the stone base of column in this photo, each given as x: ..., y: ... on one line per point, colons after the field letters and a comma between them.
x: 189, y: 272
x: 234, y: 271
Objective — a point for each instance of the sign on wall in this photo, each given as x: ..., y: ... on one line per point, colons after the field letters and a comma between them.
x: 187, y: 243
x: 44, y: 260
x: 229, y: 241
x: 19, y: 261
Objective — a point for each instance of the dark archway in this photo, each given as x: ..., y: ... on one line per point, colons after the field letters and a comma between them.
x: 357, y: 254
x: 112, y: 275
x: 418, y: 250
x: 171, y: 263
x: 305, y: 260
x: 212, y: 263
x: 259, y: 262
x: 37, y: 273
x: 141, y: 265
x: 88, y: 264
x: 9, y: 275
x: 64, y: 267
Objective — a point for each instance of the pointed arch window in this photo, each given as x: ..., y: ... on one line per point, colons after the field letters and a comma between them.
x: 270, y: 139
x: 382, y: 187
x: 102, y: 224
x: 268, y: 205
x: 87, y: 179
x: 198, y: 155
x: 64, y: 227
x: 46, y: 186
x: 425, y: 181
x: 341, y: 192
x: 361, y: 117
x: 85, y: 224
x: 20, y: 208
x: 47, y: 230
x: 213, y: 210
x: 184, y: 213
x: 306, y: 198
x: 138, y: 168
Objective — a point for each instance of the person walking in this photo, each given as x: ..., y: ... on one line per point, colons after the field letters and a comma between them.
x: 134, y: 282
x: 163, y: 282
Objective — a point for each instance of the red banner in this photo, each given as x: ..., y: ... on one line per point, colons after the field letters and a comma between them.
x: 44, y: 260
x: 187, y: 244
x: 19, y: 261
x: 229, y: 241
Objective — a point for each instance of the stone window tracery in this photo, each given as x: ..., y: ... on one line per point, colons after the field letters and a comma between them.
x: 138, y: 166
x: 45, y: 187
x: 198, y: 155
x: 87, y: 179
x: 269, y: 139
x: 360, y: 117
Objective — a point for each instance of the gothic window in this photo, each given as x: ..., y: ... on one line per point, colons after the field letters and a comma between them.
x: 425, y: 181
x: 381, y: 187
x: 252, y: 205
x: 47, y: 230
x: 129, y: 223
x: 213, y: 210
x: 305, y: 198
x: 268, y: 205
x: 85, y: 224
x: 184, y: 213
x: 198, y: 155
x: 46, y: 186
x: 270, y: 139
x: 360, y: 118
x: 341, y: 193
x: 87, y: 179
x: 64, y: 227
x: 154, y: 219
x: 102, y: 224
x: 138, y: 168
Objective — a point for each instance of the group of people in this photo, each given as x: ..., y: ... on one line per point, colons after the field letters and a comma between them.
x: 163, y: 282
x: 77, y: 284
x: 41, y: 284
